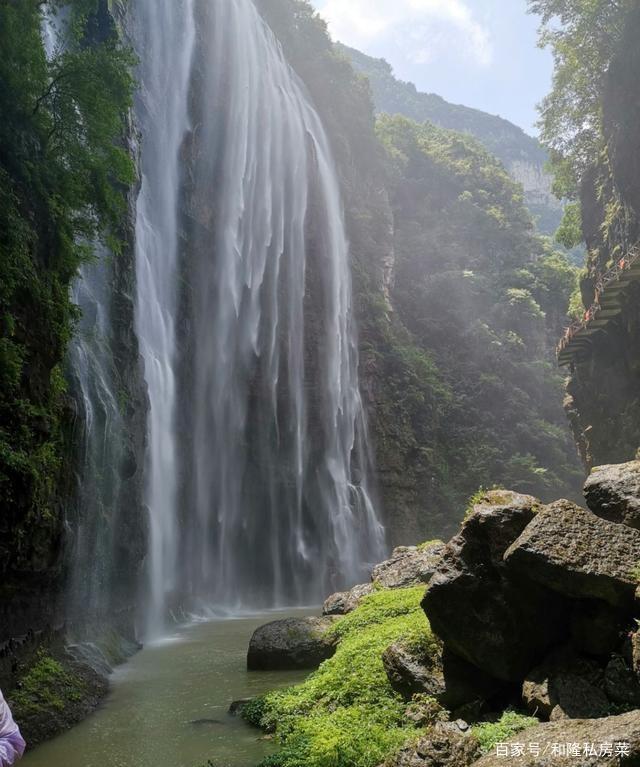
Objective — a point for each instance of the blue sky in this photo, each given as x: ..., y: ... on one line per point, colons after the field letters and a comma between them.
x: 481, y: 53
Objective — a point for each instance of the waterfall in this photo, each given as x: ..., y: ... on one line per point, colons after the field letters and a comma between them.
x: 258, y: 467
x: 163, y: 31
x: 101, y: 442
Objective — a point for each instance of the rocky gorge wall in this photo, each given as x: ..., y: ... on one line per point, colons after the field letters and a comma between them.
x: 603, y: 403
x: 91, y: 517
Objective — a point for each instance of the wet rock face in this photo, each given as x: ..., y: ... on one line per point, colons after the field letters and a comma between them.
x: 613, y: 493
x: 66, y: 698
x: 573, y: 552
x: 292, y: 643
x: 478, y: 608
x: 408, y: 566
x: 624, y: 729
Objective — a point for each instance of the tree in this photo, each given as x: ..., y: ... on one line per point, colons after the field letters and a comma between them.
x: 582, y: 35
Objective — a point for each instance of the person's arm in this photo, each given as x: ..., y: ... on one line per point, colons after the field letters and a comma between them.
x: 12, y: 743
x: 11, y: 749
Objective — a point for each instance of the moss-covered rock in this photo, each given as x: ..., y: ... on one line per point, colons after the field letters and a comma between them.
x: 347, y: 713
x: 53, y: 694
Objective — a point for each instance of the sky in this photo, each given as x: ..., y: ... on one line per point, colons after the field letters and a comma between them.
x: 480, y: 53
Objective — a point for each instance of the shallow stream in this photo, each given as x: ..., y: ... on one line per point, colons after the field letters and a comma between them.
x: 168, y: 706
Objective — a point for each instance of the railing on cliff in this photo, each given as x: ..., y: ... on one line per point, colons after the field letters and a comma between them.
x: 605, y: 307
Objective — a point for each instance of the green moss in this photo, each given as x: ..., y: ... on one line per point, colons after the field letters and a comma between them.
x: 346, y: 714
x: 509, y: 724
x: 46, y: 688
x: 429, y: 544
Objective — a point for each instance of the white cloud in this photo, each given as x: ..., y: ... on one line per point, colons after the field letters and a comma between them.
x: 424, y: 29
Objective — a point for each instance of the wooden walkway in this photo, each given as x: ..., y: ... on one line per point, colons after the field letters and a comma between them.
x: 609, y: 303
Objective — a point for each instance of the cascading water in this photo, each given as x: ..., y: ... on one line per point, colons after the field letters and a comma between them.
x: 258, y: 469
x: 164, y: 33
x: 94, y: 572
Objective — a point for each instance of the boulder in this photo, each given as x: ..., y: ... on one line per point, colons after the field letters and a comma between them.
x: 410, y: 672
x: 237, y: 706
x: 565, y: 686
x: 596, y: 628
x: 597, y: 742
x: 574, y: 552
x: 291, y: 643
x: 621, y: 684
x: 634, y: 652
x: 613, y: 493
x: 444, y: 745
x: 346, y: 601
x: 468, y: 689
x: 408, y: 566
x: 492, y: 618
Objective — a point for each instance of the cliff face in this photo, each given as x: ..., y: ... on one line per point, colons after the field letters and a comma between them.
x: 603, y: 400
x: 50, y: 510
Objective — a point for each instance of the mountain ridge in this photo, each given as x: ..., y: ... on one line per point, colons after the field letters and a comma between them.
x: 521, y: 154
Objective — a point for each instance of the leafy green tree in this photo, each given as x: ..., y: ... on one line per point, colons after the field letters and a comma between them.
x: 582, y: 35
x: 64, y: 177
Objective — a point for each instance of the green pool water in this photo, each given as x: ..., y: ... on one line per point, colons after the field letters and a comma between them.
x: 150, y: 716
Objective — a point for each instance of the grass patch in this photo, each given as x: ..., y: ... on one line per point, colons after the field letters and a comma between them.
x: 509, y: 724
x: 46, y: 688
x: 346, y: 714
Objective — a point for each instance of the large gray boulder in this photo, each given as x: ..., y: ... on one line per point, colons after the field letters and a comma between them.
x: 577, y: 554
x: 292, y: 643
x: 613, y: 493
x: 596, y: 628
x: 408, y: 566
x: 565, y: 686
x: 484, y: 613
x: 605, y: 736
x: 346, y: 601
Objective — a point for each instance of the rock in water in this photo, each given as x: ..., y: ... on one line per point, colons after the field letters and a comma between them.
x: 613, y: 493
x: 593, y: 733
x: 408, y: 566
x: 346, y: 601
x: 572, y: 551
x: 292, y: 643
x: 482, y: 612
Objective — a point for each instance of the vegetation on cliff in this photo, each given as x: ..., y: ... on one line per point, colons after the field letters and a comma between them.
x: 63, y: 178
x: 483, y: 299
x: 590, y: 124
